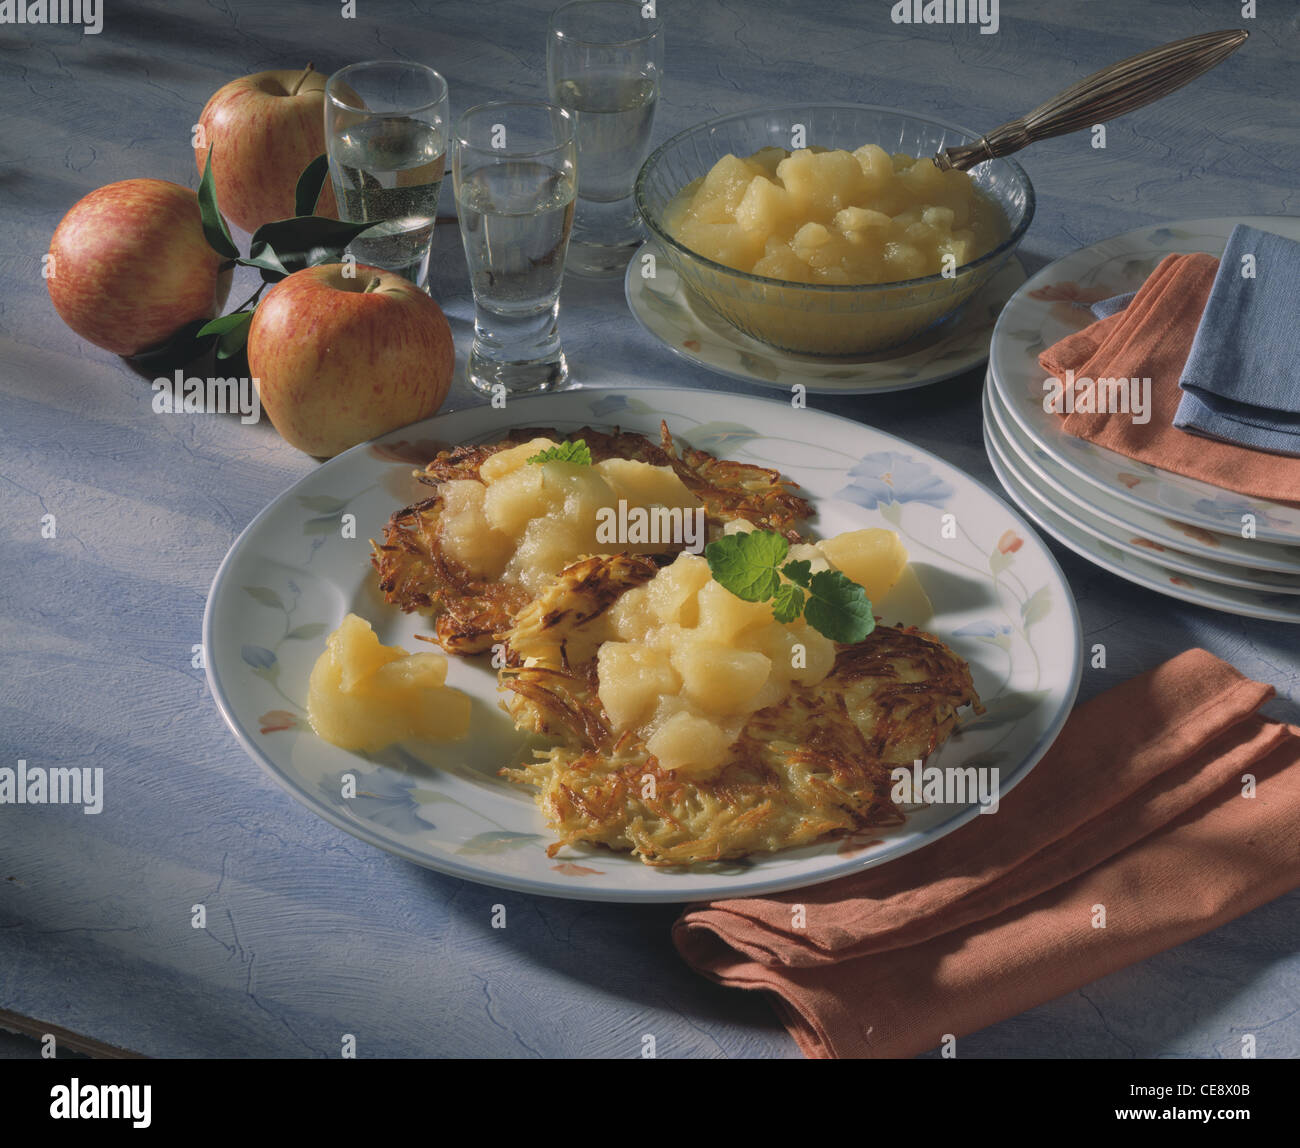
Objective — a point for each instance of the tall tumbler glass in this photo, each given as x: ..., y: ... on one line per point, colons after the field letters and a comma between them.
x: 515, y: 173
x: 386, y: 135
x: 603, y: 62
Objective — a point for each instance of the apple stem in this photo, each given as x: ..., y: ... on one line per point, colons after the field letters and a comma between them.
x: 373, y: 284
x: 253, y: 298
x: 301, y: 79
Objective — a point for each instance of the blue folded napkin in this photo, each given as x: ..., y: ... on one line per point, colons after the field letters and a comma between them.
x: 1241, y: 382
x: 1108, y: 307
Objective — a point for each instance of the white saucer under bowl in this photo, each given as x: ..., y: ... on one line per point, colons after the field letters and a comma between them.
x: 670, y: 312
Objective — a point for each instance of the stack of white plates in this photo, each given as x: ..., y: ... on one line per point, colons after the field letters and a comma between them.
x: 1172, y: 534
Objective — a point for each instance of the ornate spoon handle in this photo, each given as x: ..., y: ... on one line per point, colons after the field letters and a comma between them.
x: 1120, y: 88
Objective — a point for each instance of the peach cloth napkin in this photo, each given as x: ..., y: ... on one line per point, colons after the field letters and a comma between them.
x: 1138, y: 806
x: 1151, y: 338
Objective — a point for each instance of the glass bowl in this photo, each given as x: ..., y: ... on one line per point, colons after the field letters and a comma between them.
x: 834, y: 319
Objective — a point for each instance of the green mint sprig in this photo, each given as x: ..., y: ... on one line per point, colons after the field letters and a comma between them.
x: 575, y: 452
x: 750, y: 565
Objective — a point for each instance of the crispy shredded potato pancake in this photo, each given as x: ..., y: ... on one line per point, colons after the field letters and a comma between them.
x: 753, y: 756
x: 816, y: 763
x: 471, y: 611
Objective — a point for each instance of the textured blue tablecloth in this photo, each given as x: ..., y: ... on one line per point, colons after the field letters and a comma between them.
x: 311, y: 934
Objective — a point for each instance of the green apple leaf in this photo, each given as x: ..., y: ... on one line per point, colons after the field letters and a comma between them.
x: 269, y: 264
x: 224, y: 323
x: 231, y: 331
x: 232, y: 343
x: 181, y: 349
x: 288, y: 245
x: 214, y: 227
x: 310, y: 184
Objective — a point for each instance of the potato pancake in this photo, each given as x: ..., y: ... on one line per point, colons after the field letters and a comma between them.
x: 418, y: 571
x: 817, y: 762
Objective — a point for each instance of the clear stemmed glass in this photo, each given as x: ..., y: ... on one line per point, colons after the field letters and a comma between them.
x: 604, y: 59
x: 514, y: 167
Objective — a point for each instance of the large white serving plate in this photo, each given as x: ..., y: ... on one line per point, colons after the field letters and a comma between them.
x: 1189, y: 550
x: 1145, y: 570
x: 1042, y: 311
x: 999, y: 600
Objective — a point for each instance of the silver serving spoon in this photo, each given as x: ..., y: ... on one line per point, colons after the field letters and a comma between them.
x: 1120, y: 88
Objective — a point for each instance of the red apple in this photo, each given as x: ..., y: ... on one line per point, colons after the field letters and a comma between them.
x: 130, y: 266
x: 263, y: 130
x: 339, y: 359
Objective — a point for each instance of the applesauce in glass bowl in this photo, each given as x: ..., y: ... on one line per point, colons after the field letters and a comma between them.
x: 831, y: 319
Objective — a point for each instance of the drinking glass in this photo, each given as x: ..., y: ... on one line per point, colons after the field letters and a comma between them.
x: 515, y: 173
x: 386, y: 135
x: 603, y: 62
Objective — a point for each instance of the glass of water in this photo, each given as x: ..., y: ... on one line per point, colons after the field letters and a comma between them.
x: 386, y: 135
x: 603, y: 63
x: 515, y: 170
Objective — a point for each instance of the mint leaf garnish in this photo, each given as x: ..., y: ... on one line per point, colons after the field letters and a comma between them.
x: 838, y: 607
x: 575, y: 452
x: 746, y: 563
x: 787, y: 605
x: 750, y: 566
x: 799, y: 572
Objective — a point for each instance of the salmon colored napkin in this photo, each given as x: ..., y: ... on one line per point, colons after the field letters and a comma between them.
x: 1151, y: 338
x: 1138, y: 807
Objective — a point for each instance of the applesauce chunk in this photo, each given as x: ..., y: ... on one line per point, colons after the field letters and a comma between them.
x: 524, y: 522
x: 363, y: 695
x: 684, y: 663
